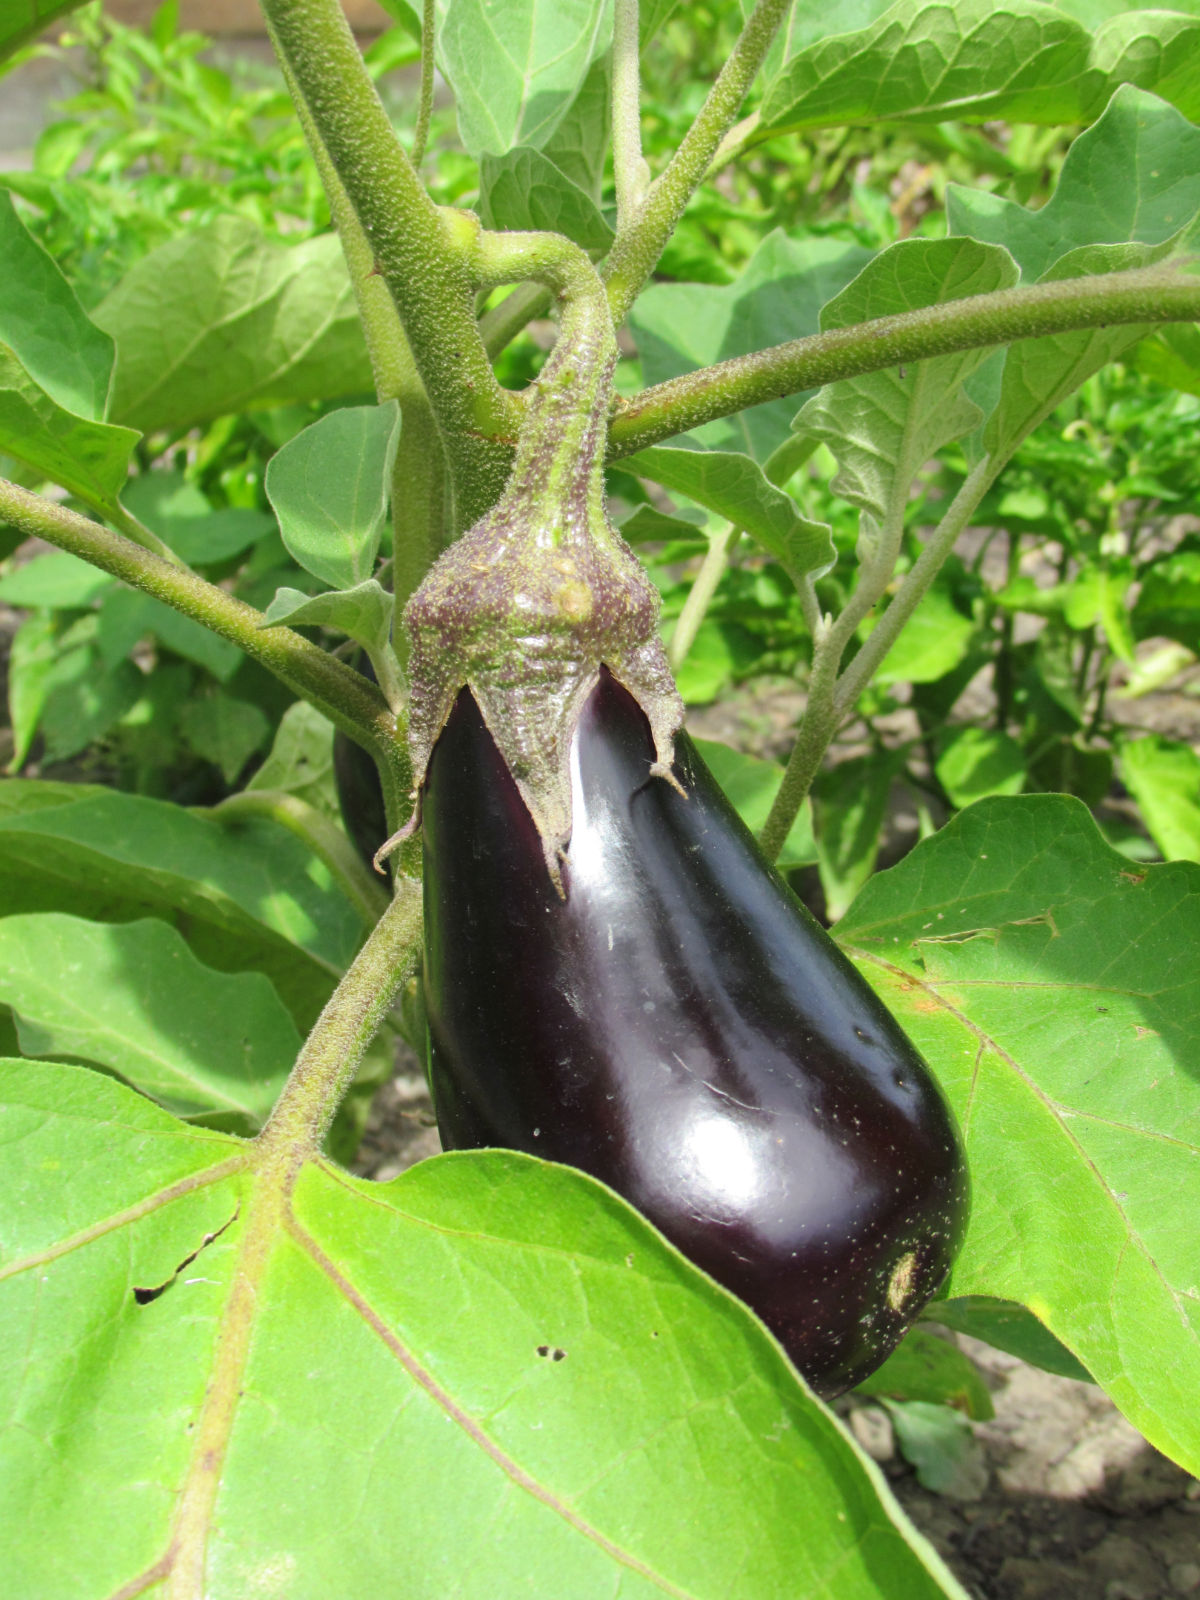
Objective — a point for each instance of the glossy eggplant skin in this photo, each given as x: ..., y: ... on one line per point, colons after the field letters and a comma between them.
x: 680, y: 1027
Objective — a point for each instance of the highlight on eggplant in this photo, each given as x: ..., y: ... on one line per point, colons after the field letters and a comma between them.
x: 679, y: 1026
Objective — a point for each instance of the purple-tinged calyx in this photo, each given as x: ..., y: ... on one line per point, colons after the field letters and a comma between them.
x: 527, y: 606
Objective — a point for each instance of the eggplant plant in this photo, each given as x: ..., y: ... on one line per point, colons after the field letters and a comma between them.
x: 233, y: 1367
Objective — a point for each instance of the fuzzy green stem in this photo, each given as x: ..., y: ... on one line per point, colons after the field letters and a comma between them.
x: 630, y: 172
x: 817, y: 728
x: 499, y: 326
x: 639, y: 246
x: 425, y: 103
x: 343, y: 695
x: 326, y: 1065
x: 916, y: 582
x: 418, y: 489
x: 419, y: 249
x: 704, y: 586
x: 1150, y: 295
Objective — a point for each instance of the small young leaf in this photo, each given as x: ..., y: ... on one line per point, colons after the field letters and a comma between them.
x: 329, y: 487
x: 363, y: 613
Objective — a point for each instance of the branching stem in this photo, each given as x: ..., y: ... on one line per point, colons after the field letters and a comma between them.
x: 1146, y: 295
x: 630, y: 172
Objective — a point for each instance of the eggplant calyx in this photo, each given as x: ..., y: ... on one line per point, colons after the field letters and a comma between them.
x: 528, y: 605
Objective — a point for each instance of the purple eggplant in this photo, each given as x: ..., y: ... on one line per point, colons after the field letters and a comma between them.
x: 677, y: 1024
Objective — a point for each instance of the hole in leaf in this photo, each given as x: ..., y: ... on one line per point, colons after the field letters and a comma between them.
x: 144, y: 1295
x: 551, y: 1352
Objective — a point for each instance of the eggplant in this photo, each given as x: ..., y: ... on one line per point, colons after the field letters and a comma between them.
x: 673, y: 1021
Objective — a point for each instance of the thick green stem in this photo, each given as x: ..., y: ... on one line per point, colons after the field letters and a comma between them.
x: 418, y: 489
x: 419, y: 250
x: 630, y: 172
x: 704, y: 586
x: 1150, y: 295
x: 639, y: 246
x: 343, y: 695
x: 332, y: 1052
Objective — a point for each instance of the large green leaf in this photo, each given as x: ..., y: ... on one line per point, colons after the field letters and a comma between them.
x: 23, y: 20
x: 885, y: 426
x: 219, y: 319
x: 487, y: 1372
x: 682, y: 326
x: 974, y: 61
x: 515, y: 68
x: 1055, y: 990
x: 245, y: 892
x: 132, y: 997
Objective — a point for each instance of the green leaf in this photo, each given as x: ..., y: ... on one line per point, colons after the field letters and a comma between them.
x: 751, y: 784
x: 1055, y: 990
x: 127, y: 616
x: 934, y: 640
x: 90, y: 459
x: 301, y: 760
x: 1169, y: 602
x: 224, y: 731
x: 708, y: 667
x: 936, y: 1439
x: 84, y: 697
x: 182, y: 517
x: 976, y: 762
x: 516, y: 68
x: 132, y: 997
x: 297, y: 338
x: 850, y: 804
x: 23, y: 20
x: 57, y: 581
x: 1163, y: 776
x: 579, y: 144
x: 45, y: 327
x: 924, y: 1367
x: 669, y: 1450
x: 329, y: 488
x: 1024, y: 62
x: 885, y: 426
x: 524, y: 189
x: 1009, y: 1327
x: 246, y: 892
x: 1134, y: 176
x: 31, y: 659
x: 735, y: 487
x: 364, y: 613
x: 682, y: 326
